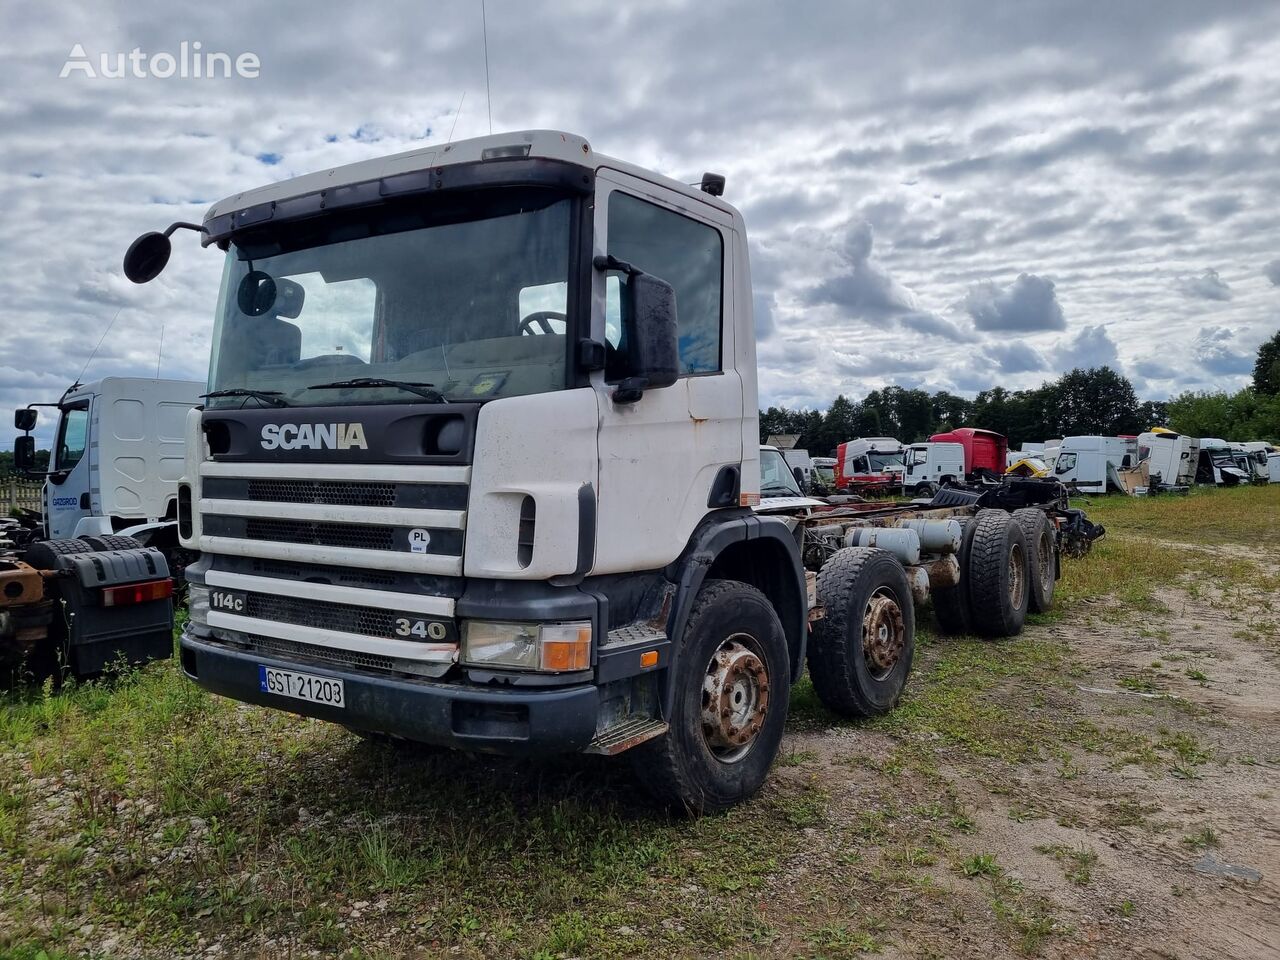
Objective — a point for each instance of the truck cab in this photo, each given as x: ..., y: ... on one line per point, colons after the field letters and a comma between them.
x: 1089, y: 463
x: 478, y: 461
x: 930, y: 466
x: 869, y: 465
x: 117, y: 455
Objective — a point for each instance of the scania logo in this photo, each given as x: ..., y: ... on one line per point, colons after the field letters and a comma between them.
x: 313, y: 436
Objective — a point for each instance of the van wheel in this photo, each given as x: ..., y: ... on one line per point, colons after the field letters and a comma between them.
x: 1042, y: 549
x: 951, y: 604
x: 927, y: 489
x: 732, y: 690
x: 861, y: 650
x: 999, y: 575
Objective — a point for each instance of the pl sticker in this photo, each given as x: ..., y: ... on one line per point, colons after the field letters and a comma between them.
x: 419, y: 540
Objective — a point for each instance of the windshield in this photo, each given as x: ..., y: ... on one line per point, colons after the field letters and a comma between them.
x: 776, y: 479
x: 466, y: 294
x: 884, y: 462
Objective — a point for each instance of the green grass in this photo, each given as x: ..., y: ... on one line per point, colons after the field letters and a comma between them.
x: 178, y: 814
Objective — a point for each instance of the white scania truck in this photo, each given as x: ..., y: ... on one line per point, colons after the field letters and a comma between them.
x: 478, y: 464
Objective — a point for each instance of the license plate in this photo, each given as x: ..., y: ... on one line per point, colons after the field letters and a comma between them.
x: 301, y: 686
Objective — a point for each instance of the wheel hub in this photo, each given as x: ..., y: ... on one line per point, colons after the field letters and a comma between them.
x: 883, y: 632
x: 735, y: 699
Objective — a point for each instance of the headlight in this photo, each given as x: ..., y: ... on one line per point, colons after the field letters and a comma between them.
x: 198, y: 604
x: 549, y: 647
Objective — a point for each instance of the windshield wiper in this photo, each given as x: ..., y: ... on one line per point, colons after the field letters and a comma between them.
x: 780, y: 488
x: 273, y: 397
x: 410, y: 386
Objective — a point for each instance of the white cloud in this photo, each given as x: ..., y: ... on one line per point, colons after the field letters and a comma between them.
x: 1217, y: 351
x: 1272, y: 272
x: 1091, y: 347
x: 1207, y: 286
x: 1016, y: 357
x: 1028, y: 304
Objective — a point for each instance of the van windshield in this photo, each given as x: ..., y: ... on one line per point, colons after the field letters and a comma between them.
x: 469, y: 295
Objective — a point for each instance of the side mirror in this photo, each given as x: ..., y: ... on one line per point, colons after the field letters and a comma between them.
x: 146, y: 257
x: 799, y: 475
x: 24, y: 419
x: 24, y: 452
x: 654, y: 347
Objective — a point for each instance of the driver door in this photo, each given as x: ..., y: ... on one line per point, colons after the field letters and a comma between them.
x: 660, y: 455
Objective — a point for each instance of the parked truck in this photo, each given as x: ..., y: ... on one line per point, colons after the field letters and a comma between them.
x: 930, y: 466
x: 466, y: 476
x: 869, y: 465
x: 116, y: 460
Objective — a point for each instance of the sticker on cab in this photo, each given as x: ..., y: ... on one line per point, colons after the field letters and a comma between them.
x: 419, y: 540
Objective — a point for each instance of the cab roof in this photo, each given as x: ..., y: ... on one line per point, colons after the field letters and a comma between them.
x: 534, y: 144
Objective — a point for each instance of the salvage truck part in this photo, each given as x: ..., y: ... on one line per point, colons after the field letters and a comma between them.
x: 76, y: 607
x: 465, y: 477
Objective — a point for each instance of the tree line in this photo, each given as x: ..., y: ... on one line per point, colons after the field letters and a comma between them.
x: 1098, y: 401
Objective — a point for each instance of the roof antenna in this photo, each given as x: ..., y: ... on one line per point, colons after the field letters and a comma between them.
x: 100, y: 339
x: 454, y: 125
x: 488, y: 92
x: 160, y: 352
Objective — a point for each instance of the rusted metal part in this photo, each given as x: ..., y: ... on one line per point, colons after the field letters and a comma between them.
x: 918, y: 580
x: 20, y: 584
x: 943, y: 573
x: 735, y: 698
x: 629, y: 733
x: 816, y: 610
x: 883, y: 632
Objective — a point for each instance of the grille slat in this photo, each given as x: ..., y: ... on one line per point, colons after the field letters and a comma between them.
x: 321, y: 534
x: 290, y: 649
x: 331, y: 492
x: 322, y: 615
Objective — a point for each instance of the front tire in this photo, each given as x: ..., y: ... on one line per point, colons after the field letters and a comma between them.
x: 730, y: 703
x: 861, y: 650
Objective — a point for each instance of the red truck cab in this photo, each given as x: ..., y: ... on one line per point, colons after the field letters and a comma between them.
x: 984, y: 450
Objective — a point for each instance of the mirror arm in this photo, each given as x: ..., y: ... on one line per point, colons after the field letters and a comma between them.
x: 183, y: 225
x: 630, y: 390
x: 611, y: 262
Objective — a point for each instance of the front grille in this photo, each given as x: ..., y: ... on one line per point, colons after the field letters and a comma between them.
x: 322, y: 615
x: 335, y: 492
x: 339, y: 575
x: 290, y: 649
x: 321, y: 534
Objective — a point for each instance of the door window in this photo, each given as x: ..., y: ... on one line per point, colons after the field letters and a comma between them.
x: 1066, y: 463
x: 73, y: 433
x: 685, y: 253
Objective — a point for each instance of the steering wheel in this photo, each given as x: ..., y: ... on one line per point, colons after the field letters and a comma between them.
x: 542, y: 318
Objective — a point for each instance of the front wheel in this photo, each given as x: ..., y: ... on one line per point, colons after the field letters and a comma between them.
x: 861, y: 650
x: 729, y: 706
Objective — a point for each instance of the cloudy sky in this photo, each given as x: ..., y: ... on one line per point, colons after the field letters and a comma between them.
x: 946, y: 195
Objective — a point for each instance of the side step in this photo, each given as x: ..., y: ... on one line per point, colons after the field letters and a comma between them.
x: 626, y: 734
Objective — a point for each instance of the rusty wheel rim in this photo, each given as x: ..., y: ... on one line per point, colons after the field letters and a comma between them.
x: 735, y: 698
x: 1045, y: 559
x: 1017, y: 576
x: 884, y: 633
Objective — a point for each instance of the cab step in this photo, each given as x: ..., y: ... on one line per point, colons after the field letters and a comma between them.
x: 625, y: 734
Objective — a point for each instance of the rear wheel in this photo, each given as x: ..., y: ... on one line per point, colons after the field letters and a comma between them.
x: 951, y: 604
x: 999, y: 575
x: 111, y: 541
x: 1042, y: 546
x: 729, y: 706
x: 44, y: 554
x: 861, y: 650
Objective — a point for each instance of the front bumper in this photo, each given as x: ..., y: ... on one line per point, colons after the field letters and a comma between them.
x: 524, y: 720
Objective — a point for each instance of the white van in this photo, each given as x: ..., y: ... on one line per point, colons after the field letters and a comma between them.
x: 931, y: 465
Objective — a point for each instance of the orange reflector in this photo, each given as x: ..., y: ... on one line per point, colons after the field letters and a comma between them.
x: 649, y: 658
x: 136, y: 593
x: 568, y: 654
